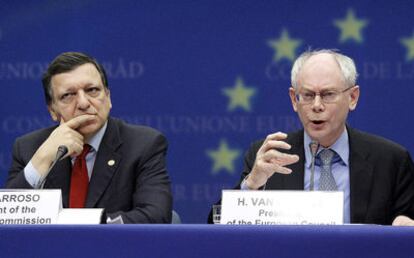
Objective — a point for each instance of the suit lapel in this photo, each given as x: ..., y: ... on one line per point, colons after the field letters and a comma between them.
x: 106, y: 164
x: 295, y: 181
x: 361, y: 175
x: 59, y: 178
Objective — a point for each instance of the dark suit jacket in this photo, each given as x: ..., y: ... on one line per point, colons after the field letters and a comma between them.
x: 381, y: 176
x: 136, y: 186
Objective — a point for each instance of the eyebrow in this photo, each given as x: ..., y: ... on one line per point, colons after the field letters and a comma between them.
x: 327, y: 89
x: 71, y: 88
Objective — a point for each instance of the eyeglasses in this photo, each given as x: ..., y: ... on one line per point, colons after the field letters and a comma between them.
x: 328, y: 96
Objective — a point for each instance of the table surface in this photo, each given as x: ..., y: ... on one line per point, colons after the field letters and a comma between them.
x: 193, y: 240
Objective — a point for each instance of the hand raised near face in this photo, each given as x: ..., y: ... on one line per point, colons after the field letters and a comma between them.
x: 65, y: 134
x: 270, y: 159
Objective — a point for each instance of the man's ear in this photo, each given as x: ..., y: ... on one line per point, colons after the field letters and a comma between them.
x: 293, y: 99
x: 53, y: 114
x: 354, y: 96
x: 108, y: 93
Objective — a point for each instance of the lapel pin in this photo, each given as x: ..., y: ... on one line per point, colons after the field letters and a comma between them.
x: 111, y: 162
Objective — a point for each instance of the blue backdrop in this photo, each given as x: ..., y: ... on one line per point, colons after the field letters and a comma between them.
x: 211, y: 75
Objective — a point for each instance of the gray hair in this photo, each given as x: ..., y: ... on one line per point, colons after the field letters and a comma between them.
x: 346, y: 64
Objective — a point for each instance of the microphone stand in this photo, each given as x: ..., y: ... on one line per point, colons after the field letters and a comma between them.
x: 62, y: 150
x: 313, y: 146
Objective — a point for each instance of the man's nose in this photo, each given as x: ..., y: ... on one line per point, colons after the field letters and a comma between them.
x: 83, y: 100
x: 317, y: 104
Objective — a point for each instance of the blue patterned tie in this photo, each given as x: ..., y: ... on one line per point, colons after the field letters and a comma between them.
x: 327, y: 181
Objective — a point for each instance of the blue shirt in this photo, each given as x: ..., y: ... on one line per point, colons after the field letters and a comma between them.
x: 340, y: 170
x: 35, y: 180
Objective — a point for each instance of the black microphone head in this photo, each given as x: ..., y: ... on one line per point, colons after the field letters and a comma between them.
x: 61, y: 152
x: 313, y: 146
x: 63, y: 149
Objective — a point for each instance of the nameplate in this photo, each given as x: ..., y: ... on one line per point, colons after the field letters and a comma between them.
x: 80, y: 216
x: 29, y: 206
x: 281, y: 207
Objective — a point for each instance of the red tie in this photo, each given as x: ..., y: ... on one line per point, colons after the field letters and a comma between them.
x: 79, y: 180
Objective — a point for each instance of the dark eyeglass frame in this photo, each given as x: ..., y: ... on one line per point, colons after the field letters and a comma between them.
x: 327, y: 96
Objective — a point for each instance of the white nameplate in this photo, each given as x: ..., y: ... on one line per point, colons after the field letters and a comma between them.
x: 281, y: 207
x: 19, y: 206
x: 80, y: 216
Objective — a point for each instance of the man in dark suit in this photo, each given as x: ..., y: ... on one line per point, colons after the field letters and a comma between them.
x: 122, y: 168
x: 375, y: 174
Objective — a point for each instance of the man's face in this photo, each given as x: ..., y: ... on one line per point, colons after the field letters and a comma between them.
x: 324, y: 122
x: 79, y: 92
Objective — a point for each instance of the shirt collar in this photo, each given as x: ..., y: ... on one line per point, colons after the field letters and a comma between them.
x: 341, y: 147
x: 95, y: 141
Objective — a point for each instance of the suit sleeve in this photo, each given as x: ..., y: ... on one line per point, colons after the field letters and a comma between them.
x: 404, y: 189
x: 152, y: 199
x: 16, y: 178
x: 249, y: 159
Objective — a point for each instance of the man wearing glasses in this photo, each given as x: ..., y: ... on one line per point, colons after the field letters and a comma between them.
x: 375, y: 174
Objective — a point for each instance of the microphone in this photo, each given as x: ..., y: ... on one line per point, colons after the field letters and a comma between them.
x: 313, y: 146
x: 61, y: 152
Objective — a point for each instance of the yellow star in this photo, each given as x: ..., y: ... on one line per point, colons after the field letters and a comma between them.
x: 351, y: 27
x: 239, y: 95
x: 223, y: 157
x: 409, y: 44
x: 285, y: 47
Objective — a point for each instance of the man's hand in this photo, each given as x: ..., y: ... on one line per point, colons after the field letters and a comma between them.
x: 403, y: 221
x: 66, y: 135
x: 269, y: 160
